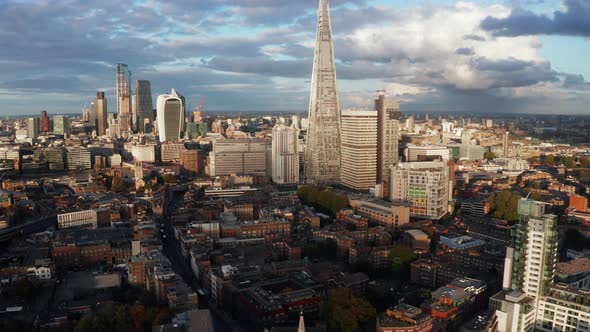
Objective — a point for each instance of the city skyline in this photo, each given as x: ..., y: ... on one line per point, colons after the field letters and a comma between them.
x: 488, y: 56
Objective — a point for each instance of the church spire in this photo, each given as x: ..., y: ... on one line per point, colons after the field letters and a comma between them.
x: 301, y: 327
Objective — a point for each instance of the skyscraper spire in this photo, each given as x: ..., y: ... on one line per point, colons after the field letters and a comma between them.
x: 322, y: 156
x: 301, y: 327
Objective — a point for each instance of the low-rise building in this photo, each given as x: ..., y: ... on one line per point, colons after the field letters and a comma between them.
x: 404, y: 318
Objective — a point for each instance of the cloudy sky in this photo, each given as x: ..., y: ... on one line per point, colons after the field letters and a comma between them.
x: 528, y: 56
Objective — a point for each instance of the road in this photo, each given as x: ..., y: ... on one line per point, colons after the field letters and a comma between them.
x: 180, y: 265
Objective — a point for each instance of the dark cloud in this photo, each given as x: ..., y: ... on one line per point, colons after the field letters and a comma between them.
x: 474, y: 38
x: 513, y: 72
x: 261, y: 66
x: 573, y: 81
x: 464, y: 51
x: 574, y: 21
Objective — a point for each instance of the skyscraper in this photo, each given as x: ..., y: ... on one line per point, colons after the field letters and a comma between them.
x: 170, y: 116
x: 322, y: 159
x: 534, y: 249
x: 44, y: 122
x: 61, y: 125
x: 285, y: 155
x: 505, y: 146
x: 528, y: 274
x: 123, y: 99
x: 101, y: 113
x: 388, y: 115
x: 145, y: 107
x: 359, y: 149
x: 33, y: 128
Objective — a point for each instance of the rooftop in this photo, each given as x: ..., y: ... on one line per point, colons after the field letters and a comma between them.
x: 580, y: 265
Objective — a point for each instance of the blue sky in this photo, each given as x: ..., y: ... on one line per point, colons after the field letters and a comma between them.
x: 438, y: 55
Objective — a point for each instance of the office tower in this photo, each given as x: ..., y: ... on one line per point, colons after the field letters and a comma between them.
x: 359, y: 149
x: 285, y: 154
x: 425, y: 185
x: 134, y: 118
x: 44, y: 122
x: 101, y: 113
x: 33, y: 128
x: 170, y: 112
x: 471, y: 152
x: 61, y: 125
x: 505, y: 146
x: 145, y: 107
x: 410, y: 124
x: 78, y: 158
x: 171, y: 151
x: 54, y: 156
x: 191, y: 162
x: 123, y: 99
x: 239, y: 156
x: 322, y: 159
x: 388, y: 115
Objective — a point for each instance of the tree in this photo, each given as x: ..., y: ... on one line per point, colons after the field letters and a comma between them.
x: 323, y: 199
x: 400, y: 256
x: 118, y: 185
x: 585, y: 162
x: 24, y: 288
x: 549, y: 160
x: 169, y: 178
x: 568, y: 162
x: 489, y: 155
x: 504, y: 205
x: 345, y: 312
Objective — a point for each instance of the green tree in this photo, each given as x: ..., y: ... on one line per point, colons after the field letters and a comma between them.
x: 169, y: 178
x: 567, y: 162
x: 24, y: 288
x: 400, y: 257
x: 504, y: 205
x: 490, y: 155
x: 118, y: 185
x: 549, y: 160
x: 345, y: 312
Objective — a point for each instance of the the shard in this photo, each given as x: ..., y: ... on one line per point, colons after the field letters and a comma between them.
x: 322, y: 154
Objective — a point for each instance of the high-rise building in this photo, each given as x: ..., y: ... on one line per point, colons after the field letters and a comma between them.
x: 529, y: 300
x: 101, y: 113
x: 134, y: 117
x: 388, y: 115
x: 170, y: 112
x: 44, y: 122
x: 534, y: 249
x: 61, y: 125
x: 359, y: 149
x: 425, y: 185
x: 123, y: 99
x: 322, y: 159
x: 145, y: 107
x: 33, y: 128
x: 505, y: 146
x: 285, y: 154
x: 410, y: 124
